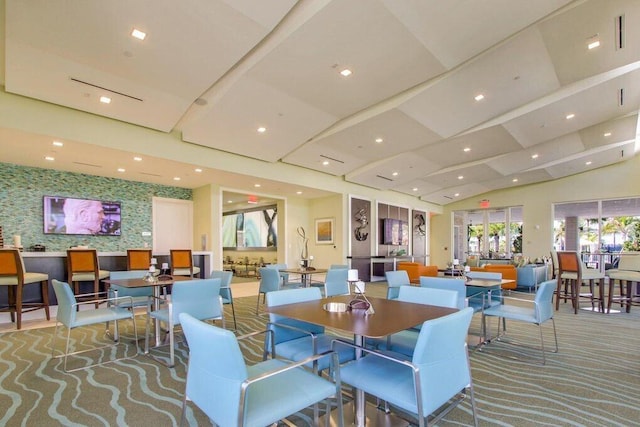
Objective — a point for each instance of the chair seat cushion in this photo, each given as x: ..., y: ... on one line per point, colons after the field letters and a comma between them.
x: 186, y: 271
x: 89, y: 277
x: 589, y: 274
x: 301, y: 348
x: 106, y: 314
x: 266, y: 405
x: 512, y: 312
x: 633, y: 276
x: 28, y: 278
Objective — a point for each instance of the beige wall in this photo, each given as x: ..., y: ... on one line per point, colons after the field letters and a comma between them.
x: 328, y: 207
x: 616, y: 181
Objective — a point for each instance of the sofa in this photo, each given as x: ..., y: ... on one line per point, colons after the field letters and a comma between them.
x: 530, y: 276
x: 415, y: 270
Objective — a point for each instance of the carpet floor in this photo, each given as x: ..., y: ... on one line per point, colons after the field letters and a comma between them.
x: 593, y: 381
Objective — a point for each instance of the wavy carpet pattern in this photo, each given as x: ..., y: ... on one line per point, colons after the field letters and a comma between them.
x: 593, y: 381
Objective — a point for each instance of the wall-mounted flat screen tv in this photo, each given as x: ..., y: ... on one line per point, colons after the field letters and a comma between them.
x: 67, y: 215
x: 394, y: 232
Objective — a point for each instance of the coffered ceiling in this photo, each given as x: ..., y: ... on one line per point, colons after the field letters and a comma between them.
x: 445, y: 100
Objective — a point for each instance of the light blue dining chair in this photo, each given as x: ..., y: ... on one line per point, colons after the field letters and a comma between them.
x: 296, y: 340
x: 71, y: 318
x: 404, y: 342
x: 338, y: 267
x: 395, y: 279
x: 336, y: 283
x: 199, y: 298
x: 536, y: 311
x: 270, y: 282
x: 225, y: 291
x: 233, y: 394
x: 438, y: 373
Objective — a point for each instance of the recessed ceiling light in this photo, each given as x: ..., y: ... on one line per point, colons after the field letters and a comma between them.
x: 121, y: 170
x: 456, y: 195
x: 570, y: 116
x: 49, y: 158
x: 176, y: 178
x: 58, y: 143
x: 229, y: 201
x: 257, y: 185
x: 379, y: 140
x: 607, y: 134
x: 588, y: 163
x: 460, y: 177
x: 346, y: 72
x: 534, y: 156
x: 593, y: 44
x: 514, y: 180
x: 395, y: 174
x: 298, y: 192
x: 414, y: 189
x: 198, y: 170
x: 140, y: 35
x: 325, y: 163
x: 262, y: 129
x: 479, y: 97
x: 137, y: 158
x: 105, y: 100
x: 466, y: 149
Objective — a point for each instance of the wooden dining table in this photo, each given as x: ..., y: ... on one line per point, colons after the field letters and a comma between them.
x: 156, y: 286
x: 305, y: 273
x: 390, y: 316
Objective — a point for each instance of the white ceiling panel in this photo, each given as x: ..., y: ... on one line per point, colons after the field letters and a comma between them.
x: 215, y: 71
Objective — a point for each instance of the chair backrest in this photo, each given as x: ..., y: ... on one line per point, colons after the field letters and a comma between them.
x: 11, y: 267
x: 338, y: 267
x: 199, y: 298
x: 225, y: 282
x: 292, y: 296
x: 430, y: 296
x: 395, y: 279
x: 138, y: 259
x: 82, y: 261
x: 181, y: 258
x: 441, y: 357
x: 629, y: 261
x: 66, y: 313
x: 269, y: 279
x: 544, y: 300
x: 449, y: 285
x: 129, y: 292
x: 484, y: 275
x: 554, y: 263
x: 216, y: 370
x: 336, y: 283
x: 569, y: 262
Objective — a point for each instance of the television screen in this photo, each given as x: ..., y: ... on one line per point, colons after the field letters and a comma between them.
x: 66, y: 215
x: 395, y: 232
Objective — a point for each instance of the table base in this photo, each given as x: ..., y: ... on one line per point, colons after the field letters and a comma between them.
x: 374, y: 417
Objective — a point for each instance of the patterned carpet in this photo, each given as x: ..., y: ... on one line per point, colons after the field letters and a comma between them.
x: 593, y: 381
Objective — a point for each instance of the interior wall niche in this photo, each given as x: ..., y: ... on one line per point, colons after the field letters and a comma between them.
x: 361, y: 235
x: 251, y: 229
x: 419, y: 233
x: 390, y: 244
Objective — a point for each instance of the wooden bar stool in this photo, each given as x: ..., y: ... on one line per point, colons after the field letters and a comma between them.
x: 13, y: 276
x: 182, y: 263
x: 572, y: 274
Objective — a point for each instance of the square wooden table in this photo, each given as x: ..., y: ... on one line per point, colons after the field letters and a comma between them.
x: 305, y: 273
x: 390, y: 316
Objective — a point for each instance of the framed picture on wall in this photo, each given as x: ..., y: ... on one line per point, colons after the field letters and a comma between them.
x: 324, y: 231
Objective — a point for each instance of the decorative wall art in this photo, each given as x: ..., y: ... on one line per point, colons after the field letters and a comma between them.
x: 361, y: 219
x: 324, y: 231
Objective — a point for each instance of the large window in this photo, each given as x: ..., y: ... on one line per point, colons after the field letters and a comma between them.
x: 250, y: 229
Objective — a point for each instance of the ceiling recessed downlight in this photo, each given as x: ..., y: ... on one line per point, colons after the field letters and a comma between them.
x: 607, y: 134
x: 137, y: 158
x: 379, y: 140
x: 479, y: 97
x: 325, y: 163
x: 395, y: 174
x: 58, y: 143
x: 460, y: 177
x: 105, y: 100
x: 346, y: 72
x: 456, y: 195
x: 262, y: 129
x: 257, y: 185
x: 593, y: 44
x: 176, y: 178
x: 198, y: 170
x: 570, y: 116
x: 49, y: 158
x: 140, y: 35
x: 534, y: 156
x: 298, y: 192
x: 466, y: 149
x: 588, y: 163
x: 122, y: 170
x: 514, y: 180
x: 414, y: 189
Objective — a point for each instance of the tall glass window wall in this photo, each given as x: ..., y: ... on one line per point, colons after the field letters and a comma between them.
x: 487, y: 234
x: 597, y: 229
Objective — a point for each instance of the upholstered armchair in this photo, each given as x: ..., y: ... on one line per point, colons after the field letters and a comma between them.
x: 415, y: 270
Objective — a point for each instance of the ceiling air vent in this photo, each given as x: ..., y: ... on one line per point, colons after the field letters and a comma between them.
x: 104, y: 88
x: 384, y: 177
x: 620, y: 29
x: 87, y: 164
x: 621, y: 98
x: 331, y: 158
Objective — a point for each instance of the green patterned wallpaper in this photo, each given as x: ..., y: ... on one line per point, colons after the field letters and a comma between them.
x: 21, y: 210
